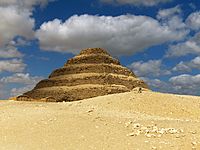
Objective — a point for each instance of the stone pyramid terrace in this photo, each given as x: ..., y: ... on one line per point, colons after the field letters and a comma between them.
x: 91, y: 73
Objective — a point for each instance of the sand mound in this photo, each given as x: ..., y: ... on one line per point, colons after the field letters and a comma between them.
x: 130, y: 120
x: 91, y: 73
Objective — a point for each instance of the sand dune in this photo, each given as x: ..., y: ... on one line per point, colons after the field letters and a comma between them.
x: 126, y: 121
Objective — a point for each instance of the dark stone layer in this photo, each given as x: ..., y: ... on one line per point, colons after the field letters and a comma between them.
x: 101, y: 79
x: 74, y: 93
x: 93, y: 59
x: 97, y: 51
x: 91, y: 68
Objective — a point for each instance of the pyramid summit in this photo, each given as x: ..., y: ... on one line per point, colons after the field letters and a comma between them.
x: 91, y: 73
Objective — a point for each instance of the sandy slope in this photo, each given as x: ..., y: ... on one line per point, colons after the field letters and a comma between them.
x: 127, y: 121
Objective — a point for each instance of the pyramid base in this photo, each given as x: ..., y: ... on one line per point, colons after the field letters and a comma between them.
x: 65, y: 93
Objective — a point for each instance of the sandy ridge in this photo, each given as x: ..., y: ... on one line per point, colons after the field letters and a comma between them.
x: 131, y: 121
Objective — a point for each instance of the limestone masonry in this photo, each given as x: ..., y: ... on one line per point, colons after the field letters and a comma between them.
x: 91, y: 73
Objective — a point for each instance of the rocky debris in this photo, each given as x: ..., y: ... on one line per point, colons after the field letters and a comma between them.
x: 24, y: 98
x: 136, y: 125
x: 140, y: 89
x: 193, y: 132
x: 13, y: 98
x: 90, y: 110
x: 194, y: 143
x: 48, y: 99
x: 128, y: 123
x: 27, y: 98
x: 135, y: 133
x: 154, y: 147
x: 91, y: 73
x: 178, y: 136
x: 153, y: 131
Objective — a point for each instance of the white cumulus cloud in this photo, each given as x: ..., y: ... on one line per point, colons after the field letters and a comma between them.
x: 196, y: 62
x: 188, y: 66
x: 13, y: 65
x: 193, y: 20
x: 190, y: 46
x: 21, y: 90
x: 169, y: 12
x: 14, y: 23
x: 149, y: 68
x: 182, y: 67
x: 158, y: 85
x: 181, y: 84
x: 24, y: 78
x: 10, y: 52
x: 136, y: 2
x: 172, y: 18
x: 23, y: 4
x: 124, y: 34
x: 186, y: 84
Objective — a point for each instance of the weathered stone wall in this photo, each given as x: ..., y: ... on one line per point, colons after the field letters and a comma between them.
x: 91, y: 73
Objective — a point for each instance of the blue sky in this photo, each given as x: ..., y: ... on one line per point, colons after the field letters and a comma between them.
x: 158, y: 39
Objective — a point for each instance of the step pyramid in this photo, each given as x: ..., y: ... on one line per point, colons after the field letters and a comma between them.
x: 91, y: 73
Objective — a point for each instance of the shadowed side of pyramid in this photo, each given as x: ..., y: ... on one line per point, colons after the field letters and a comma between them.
x: 91, y: 73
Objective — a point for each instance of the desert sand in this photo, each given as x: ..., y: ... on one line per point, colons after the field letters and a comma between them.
x: 126, y: 121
